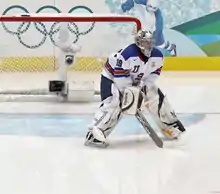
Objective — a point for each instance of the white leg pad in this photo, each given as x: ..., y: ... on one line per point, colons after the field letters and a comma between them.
x: 98, y: 134
x: 163, y: 113
x: 107, y: 116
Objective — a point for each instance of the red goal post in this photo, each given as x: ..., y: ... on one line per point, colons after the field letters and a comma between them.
x: 69, y: 18
x: 22, y: 64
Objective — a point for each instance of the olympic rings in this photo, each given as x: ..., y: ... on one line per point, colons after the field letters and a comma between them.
x: 41, y: 27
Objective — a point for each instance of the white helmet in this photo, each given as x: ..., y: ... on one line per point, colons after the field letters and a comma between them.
x: 145, y: 41
x: 152, y: 5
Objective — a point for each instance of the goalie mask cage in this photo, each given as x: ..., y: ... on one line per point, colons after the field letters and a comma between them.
x: 29, y: 55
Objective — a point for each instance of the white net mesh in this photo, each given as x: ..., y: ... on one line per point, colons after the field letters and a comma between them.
x: 29, y: 56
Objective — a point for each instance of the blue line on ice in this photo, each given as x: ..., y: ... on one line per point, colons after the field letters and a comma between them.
x: 71, y: 125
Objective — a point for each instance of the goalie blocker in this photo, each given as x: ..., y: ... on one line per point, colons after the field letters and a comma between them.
x: 131, y: 100
x: 131, y: 104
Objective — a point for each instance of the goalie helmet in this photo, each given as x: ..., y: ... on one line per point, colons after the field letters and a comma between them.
x: 152, y: 5
x: 145, y: 41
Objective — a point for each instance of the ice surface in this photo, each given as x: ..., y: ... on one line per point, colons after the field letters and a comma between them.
x: 38, y: 154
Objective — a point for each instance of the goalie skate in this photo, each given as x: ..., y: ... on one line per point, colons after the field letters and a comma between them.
x: 93, y: 142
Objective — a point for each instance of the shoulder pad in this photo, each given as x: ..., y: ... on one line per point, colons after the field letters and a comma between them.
x: 156, y: 53
x: 130, y: 51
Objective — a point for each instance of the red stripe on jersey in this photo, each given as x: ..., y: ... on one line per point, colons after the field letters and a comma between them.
x: 157, y: 71
x: 115, y: 71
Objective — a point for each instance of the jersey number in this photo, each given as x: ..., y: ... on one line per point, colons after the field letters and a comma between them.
x: 138, y: 78
x: 119, y: 63
x: 136, y: 69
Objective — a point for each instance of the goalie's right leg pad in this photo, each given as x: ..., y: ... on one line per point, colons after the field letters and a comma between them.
x: 108, y: 114
x: 92, y: 141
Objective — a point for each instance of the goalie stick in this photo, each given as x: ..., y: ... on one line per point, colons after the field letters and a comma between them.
x: 147, y: 127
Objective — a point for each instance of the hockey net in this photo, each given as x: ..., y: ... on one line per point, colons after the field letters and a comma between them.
x: 29, y: 55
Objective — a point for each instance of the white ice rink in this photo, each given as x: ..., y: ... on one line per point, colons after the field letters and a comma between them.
x: 42, y: 146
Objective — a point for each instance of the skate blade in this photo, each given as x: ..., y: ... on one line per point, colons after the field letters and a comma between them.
x: 97, y: 145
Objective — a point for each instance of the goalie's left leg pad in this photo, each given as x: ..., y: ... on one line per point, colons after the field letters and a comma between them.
x: 163, y: 113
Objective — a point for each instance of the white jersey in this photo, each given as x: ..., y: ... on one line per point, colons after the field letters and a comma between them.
x: 130, y: 66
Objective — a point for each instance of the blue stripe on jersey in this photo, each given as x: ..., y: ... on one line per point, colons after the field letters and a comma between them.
x: 122, y: 75
x: 130, y: 51
x: 156, y: 53
x: 119, y: 68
